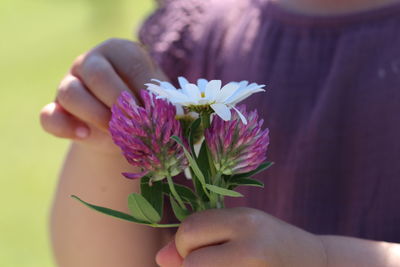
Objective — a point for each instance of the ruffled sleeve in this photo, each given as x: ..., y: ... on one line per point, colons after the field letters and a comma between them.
x: 172, y: 34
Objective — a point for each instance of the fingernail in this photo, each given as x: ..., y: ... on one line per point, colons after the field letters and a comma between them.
x: 82, y: 132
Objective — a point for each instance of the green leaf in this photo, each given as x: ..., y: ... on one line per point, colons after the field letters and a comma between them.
x: 203, y: 161
x: 184, y: 192
x: 263, y: 166
x: 153, y: 194
x: 192, y: 162
x: 244, y: 181
x: 142, y: 209
x: 110, y: 212
x: 198, y: 187
x: 180, y: 213
x: 193, y: 129
x: 223, y: 191
x: 203, y: 164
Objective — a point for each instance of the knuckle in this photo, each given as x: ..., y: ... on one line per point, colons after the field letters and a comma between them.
x: 44, y: 118
x: 248, y: 218
x: 93, y: 67
x: 187, y: 227
x: 78, y: 62
x: 68, y: 90
x: 113, y: 42
x: 48, y: 124
x: 131, y: 49
x: 87, y: 61
x: 138, y: 52
x: 88, y: 65
x: 188, y: 230
x: 120, y: 43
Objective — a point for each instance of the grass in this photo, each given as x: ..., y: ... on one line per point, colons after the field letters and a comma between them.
x: 39, y: 41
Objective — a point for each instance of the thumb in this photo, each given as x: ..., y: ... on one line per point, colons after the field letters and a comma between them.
x: 168, y: 256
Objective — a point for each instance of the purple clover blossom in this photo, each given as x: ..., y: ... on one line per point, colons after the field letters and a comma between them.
x: 236, y: 147
x: 144, y: 136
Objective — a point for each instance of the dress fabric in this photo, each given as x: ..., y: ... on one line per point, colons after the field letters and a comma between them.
x: 332, y: 103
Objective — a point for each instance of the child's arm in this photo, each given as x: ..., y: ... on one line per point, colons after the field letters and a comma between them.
x: 348, y: 251
x: 80, y: 236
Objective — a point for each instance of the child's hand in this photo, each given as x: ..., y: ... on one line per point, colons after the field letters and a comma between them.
x: 241, y: 237
x: 81, y: 110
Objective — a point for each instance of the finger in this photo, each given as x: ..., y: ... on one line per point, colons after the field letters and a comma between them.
x: 100, y: 78
x: 168, y: 256
x: 75, y: 98
x: 213, y: 256
x: 132, y: 62
x: 206, y: 228
x: 56, y: 121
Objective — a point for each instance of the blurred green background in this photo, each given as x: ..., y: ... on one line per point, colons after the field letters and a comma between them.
x: 39, y: 41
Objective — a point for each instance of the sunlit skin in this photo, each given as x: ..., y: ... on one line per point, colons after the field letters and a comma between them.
x: 231, y: 237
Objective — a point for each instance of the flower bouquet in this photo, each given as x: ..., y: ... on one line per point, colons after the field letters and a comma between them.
x: 188, y: 130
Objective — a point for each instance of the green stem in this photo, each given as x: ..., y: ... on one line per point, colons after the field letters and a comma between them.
x: 199, y: 188
x: 220, y: 202
x: 205, y: 120
x: 174, y: 193
x: 164, y: 225
x: 206, y: 192
x: 219, y: 182
x: 210, y: 161
x: 217, y: 179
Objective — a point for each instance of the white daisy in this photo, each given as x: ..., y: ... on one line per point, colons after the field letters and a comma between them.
x: 207, y: 94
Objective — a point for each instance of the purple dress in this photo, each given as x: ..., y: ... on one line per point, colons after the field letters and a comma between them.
x: 332, y: 104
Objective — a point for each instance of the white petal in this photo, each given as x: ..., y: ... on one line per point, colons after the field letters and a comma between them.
x: 212, y: 89
x: 242, y: 94
x: 242, y: 118
x: 204, y: 101
x: 156, y: 80
x: 182, y: 82
x: 192, y: 91
x: 157, y: 90
x: 202, y: 83
x: 176, y: 96
x: 165, y: 85
x: 197, y: 146
x: 193, y: 115
x: 226, y: 92
x: 254, y: 85
x: 243, y: 83
x: 222, y: 111
x: 179, y: 110
x: 188, y: 175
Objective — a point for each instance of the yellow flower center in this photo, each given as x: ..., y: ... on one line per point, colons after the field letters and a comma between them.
x: 203, y: 95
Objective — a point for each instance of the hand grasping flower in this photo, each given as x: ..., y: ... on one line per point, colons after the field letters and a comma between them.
x: 207, y: 96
